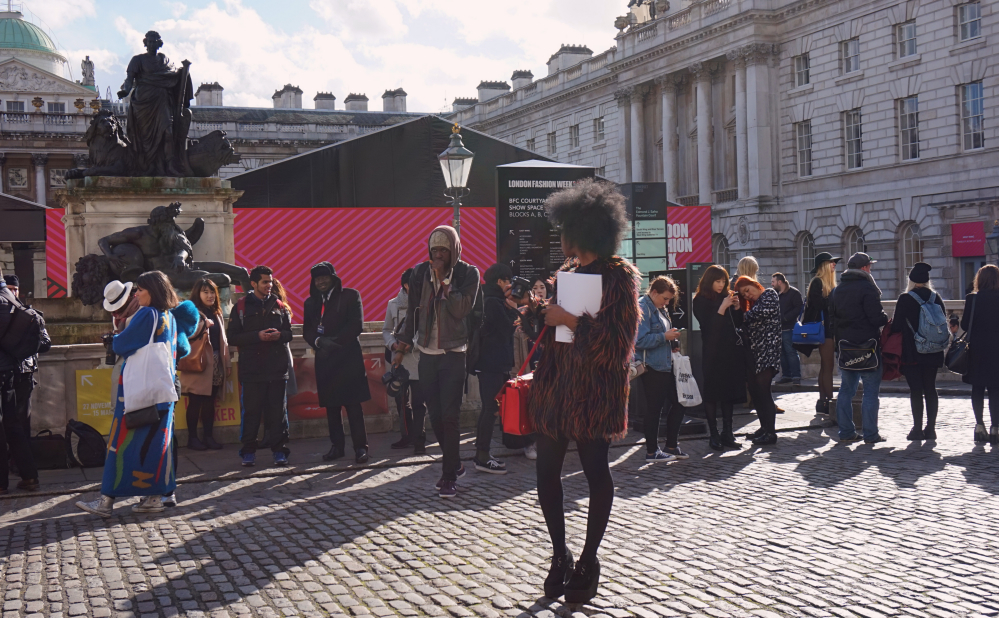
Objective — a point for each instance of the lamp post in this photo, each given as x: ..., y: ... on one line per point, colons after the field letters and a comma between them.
x: 456, y: 163
x: 993, y: 241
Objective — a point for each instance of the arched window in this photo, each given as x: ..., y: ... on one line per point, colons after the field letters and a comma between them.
x: 855, y: 241
x: 910, y: 248
x: 806, y: 253
x: 719, y: 250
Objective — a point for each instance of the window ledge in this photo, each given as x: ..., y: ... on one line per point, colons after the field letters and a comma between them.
x: 969, y: 45
x: 850, y: 77
x: 793, y: 92
x: 904, y: 63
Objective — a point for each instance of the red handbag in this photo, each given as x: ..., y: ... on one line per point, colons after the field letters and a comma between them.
x: 514, y: 399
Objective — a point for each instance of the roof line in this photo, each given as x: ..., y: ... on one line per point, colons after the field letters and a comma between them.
x: 28, y: 202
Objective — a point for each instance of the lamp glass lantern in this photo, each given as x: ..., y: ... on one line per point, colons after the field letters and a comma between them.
x: 456, y: 163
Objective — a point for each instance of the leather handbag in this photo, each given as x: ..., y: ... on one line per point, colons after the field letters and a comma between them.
x: 858, y: 356
x: 514, y: 399
x: 809, y: 333
x: 49, y: 450
x: 200, y: 357
x: 958, y: 357
x: 150, y: 415
x: 636, y: 367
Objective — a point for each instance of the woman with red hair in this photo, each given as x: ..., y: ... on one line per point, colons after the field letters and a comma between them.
x: 761, y: 315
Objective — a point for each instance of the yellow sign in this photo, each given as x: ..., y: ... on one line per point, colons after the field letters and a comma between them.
x: 93, y: 399
x: 93, y: 405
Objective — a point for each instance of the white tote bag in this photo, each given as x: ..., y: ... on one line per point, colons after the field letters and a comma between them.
x: 686, y: 386
x: 148, y: 376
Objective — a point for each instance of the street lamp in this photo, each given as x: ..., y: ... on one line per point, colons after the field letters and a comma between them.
x: 993, y: 241
x: 456, y: 163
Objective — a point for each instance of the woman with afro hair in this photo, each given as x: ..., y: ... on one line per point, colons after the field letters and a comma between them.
x: 580, y: 389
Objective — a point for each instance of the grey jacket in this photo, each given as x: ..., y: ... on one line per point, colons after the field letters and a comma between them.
x: 394, y: 315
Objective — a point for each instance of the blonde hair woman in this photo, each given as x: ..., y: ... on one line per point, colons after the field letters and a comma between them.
x: 748, y: 267
x: 816, y: 310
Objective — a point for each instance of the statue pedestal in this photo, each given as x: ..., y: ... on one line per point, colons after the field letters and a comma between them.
x: 101, y: 205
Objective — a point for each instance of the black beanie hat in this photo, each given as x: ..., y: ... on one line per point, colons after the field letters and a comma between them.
x: 12, y: 280
x: 920, y: 272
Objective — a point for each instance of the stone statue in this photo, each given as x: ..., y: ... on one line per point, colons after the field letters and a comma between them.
x: 87, y: 70
x: 160, y: 245
x: 159, y: 118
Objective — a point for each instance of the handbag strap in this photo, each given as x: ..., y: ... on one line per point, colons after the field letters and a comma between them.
x: 156, y: 322
x: 531, y: 353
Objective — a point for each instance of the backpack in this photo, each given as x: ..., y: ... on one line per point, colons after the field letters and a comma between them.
x: 932, y: 334
x: 23, y: 336
x: 85, y: 445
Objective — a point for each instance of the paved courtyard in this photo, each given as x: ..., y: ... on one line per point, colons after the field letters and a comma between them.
x: 807, y: 528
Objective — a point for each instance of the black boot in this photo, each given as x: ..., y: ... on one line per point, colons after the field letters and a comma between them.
x: 420, y: 445
x: 558, y: 575
x: 822, y: 406
x: 727, y: 435
x: 334, y: 453
x: 209, y: 424
x: 193, y: 442
x: 715, y: 441
x: 582, y: 586
x: 402, y: 443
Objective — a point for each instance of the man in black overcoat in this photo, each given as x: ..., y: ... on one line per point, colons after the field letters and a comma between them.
x: 332, y: 324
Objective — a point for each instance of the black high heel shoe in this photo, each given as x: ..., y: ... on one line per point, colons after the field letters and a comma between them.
x: 558, y: 575
x: 715, y: 443
x: 766, y: 439
x: 582, y: 586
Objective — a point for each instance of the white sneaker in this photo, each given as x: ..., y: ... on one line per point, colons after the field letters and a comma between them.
x: 100, y: 507
x: 531, y: 451
x: 170, y: 500
x: 149, y: 504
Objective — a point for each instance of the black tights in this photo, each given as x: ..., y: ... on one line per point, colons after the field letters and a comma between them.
x: 923, y: 385
x: 759, y: 389
x: 978, y: 404
x: 593, y: 456
x: 711, y: 412
x: 200, y: 407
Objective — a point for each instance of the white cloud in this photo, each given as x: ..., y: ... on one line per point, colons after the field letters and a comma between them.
x: 425, y: 46
x: 57, y: 13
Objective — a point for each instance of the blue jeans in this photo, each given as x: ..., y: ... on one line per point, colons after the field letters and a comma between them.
x: 790, y: 364
x: 869, y: 406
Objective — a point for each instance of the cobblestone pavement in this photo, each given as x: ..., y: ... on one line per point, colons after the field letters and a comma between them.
x: 806, y: 528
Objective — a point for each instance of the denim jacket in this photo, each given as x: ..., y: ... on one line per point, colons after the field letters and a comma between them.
x: 651, y: 346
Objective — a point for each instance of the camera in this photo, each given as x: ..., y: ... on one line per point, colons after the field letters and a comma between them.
x: 519, y: 287
x: 109, y: 356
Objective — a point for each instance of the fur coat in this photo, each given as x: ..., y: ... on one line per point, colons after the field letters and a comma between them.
x: 580, y: 389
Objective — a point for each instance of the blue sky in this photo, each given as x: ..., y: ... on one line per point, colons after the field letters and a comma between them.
x: 435, y: 50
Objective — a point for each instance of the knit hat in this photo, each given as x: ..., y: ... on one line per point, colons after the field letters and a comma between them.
x: 12, y: 280
x: 920, y: 272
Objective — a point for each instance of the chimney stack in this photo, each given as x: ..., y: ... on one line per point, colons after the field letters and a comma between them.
x: 567, y: 56
x: 488, y: 90
x: 209, y: 94
x: 394, y: 100
x: 324, y: 100
x: 521, y: 79
x: 356, y: 103
x: 289, y: 97
x: 462, y: 103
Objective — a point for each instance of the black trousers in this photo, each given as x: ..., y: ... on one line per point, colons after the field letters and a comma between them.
x: 660, y: 395
x: 759, y: 389
x: 13, y: 434
x: 412, y: 411
x: 489, y: 387
x: 24, y: 384
x: 922, y: 386
x: 355, y: 417
x: 442, y: 379
x: 264, y: 401
x: 978, y: 404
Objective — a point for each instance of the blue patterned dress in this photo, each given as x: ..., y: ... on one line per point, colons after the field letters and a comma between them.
x: 140, y: 461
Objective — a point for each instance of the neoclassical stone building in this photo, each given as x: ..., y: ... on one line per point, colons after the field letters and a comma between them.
x: 808, y: 125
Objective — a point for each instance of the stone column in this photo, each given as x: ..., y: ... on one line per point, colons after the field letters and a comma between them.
x: 669, y: 84
x: 758, y: 130
x: 637, y: 132
x: 702, y: 79
x: 737, y: 57
x: 41, y: 182
x: 623, y: 98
